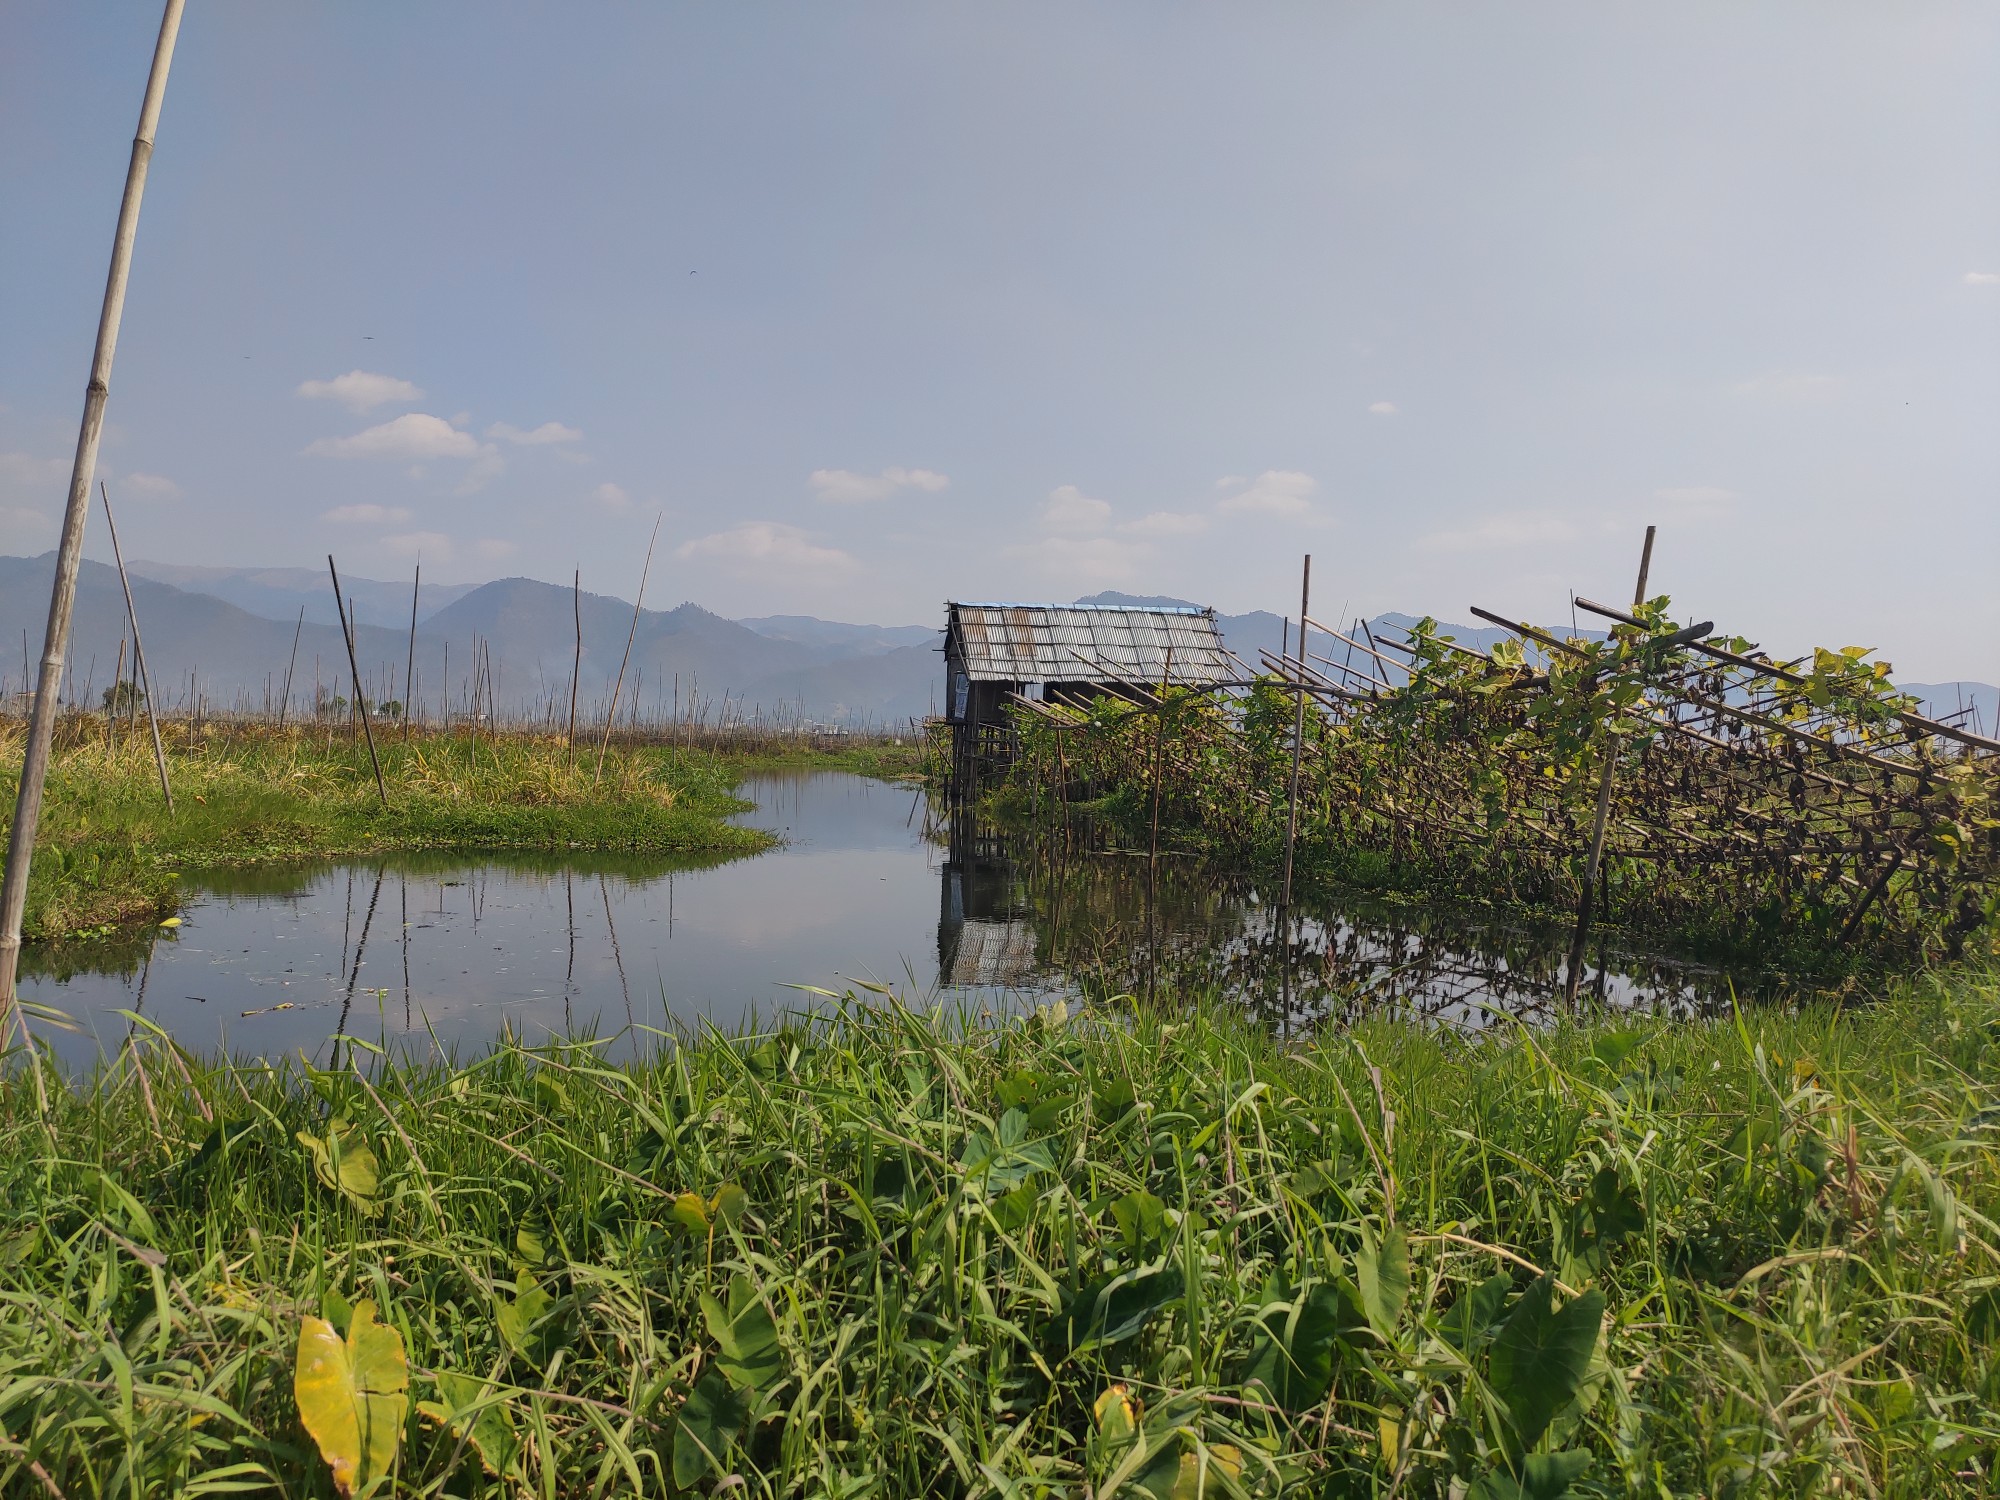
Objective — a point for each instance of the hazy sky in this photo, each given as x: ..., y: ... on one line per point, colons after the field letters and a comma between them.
x: 878, y: 305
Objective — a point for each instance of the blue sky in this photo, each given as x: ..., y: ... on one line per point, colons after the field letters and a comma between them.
x: 874, y: 305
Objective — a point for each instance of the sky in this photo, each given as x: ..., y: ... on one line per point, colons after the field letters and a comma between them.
x: 875, y: 305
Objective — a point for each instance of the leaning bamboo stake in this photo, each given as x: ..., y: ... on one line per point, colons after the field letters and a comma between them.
x: 611, y: 714
x: 360, y: 697
x: 576, y: 667
x: 285, y: 702
x: 69, y: 552
x: 1601, y: 822
x: 138, y: 648
x: 410, y: 668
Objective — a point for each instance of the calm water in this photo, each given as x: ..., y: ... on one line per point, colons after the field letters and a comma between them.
x: 863, y: 889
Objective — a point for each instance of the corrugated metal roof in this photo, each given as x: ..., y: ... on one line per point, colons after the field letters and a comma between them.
x: 1090, y: 643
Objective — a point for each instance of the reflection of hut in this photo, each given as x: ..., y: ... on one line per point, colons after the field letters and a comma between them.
x: 1060, y: 653
x: 985, y: 936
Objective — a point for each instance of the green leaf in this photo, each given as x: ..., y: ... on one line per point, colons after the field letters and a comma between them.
x: 529, y: 1246
x: 344, y: 1163
x: 707, y: 1423
x: 1292, y: 1356
x: 729, y: 1203
x: 1140, y: 1218
x: 1469, y: 1321
x: 1540, y: 1355
x: 517, y: 1318
x: 352, y: 1395
x: 474, y: 1412
x: 751, y: 1355
x: 1383, y: 1272
x: 1106, y: 1311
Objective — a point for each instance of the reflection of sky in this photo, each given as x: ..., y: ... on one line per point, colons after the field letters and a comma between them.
x: 852, y: 894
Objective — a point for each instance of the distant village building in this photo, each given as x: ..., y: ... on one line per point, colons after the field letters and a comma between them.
x: 995, y: 654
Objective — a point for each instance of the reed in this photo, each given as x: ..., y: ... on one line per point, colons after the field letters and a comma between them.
x: 1131, y: 1251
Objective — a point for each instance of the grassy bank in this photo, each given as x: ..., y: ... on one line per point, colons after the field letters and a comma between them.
x: 1113, y: 1254
x: 109, y: 852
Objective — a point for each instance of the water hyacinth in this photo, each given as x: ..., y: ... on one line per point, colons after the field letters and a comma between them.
x: 1127, y: 1251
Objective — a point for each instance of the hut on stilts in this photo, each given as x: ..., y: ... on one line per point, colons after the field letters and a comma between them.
x: 999, y: 654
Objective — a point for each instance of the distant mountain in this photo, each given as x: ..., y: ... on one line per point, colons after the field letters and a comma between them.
x: 279, y: 593
x: 836, y: 639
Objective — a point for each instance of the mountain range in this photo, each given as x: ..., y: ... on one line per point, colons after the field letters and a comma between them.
x: 228, y: 634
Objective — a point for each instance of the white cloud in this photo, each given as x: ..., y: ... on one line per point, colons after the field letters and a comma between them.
x: 765, y: 544
x: 1515, y: 529
x: 1073, y: 513
x: 1083, y: 561
x: 845, y: 487
x: 1696, y: 499
x: 359, y: 390
x: 1982, y: 278
x: 612, y: 496
x: 23, y: 471
x: 1166, y: 523
x: 21, y: 527
x: 493, y: 548
x: 487, y: 465
x: 432, y: 544
x: 414, y: 435
x: 1790, y: 387
x: 1382, y: 409
x: 1275, y: 492
x: 149, y: 487
x: 378, y: 515
x: 535, y: 437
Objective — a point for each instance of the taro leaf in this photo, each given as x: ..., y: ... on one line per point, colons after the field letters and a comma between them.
x: 1383, y: 1271
x: 1195, y: 1480
x: 336, y: 1309
x: 751, y: 1356
x: 517, y: 1318
x: 1982, y: 1316
x: 344, y: 1163
x: 691, y: 1211
x: 530, y: 1246
x: 1612, y: 1048
x: 1012, y: 1210
x: 352, y: 1395
x: 1616, y: 1210
x: 1293, y: 1358
x: 1111, y: 1099
x: 728, y: 1203
x: 1540, y: 1355
x: 1116, y: 1415
x: 475, y: 1416
x: 1544, y: 1476
x: 1140, y: 1218
x: 1469, y: 1321
x: 707, y: 1423
x: 225, y: 1134
x: 1106, y: 1311
x: 1007, y: 1158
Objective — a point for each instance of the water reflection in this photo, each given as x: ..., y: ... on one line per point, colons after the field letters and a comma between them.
x: 872, y: 885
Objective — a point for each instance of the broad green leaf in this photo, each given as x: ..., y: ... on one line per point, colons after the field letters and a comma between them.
x: 692, y: 1211
x: 475, y: 1412
x: 518, y: 1318
x: 1107, y: 1311
x: 1292, y: 1355
x: 1383, y: 1272
x: 1540, y: 1356
x: 729, y: 1203
x: 1469, y: 1321
x: 529, y: 1246
x: 352, y: 1395
x: 1140, y: 1218
x: 751, y: 1355
x: 707, y: 1423
x: 344, y: 1163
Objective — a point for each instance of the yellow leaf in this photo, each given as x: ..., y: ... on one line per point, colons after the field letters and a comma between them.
x: 1116, y: 1415
x: 1389, y: 1426
x: 352, y: 1395
x: 171, y: 922
x: 1196, y: 1483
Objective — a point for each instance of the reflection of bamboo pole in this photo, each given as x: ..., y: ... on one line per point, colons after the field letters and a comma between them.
x: 612, y: 713
x: 138, y: 649
x: 1601, y: 822
x: 1292, y: 795
x: 381, y: 789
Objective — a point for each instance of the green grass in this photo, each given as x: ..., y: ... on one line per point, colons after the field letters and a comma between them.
x: 109, y: 854
x: 1132, y: 1253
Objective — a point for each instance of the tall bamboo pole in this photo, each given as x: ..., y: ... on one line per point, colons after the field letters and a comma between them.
x: 410, y: 669
x: 1600, y: 824
x: 354, y: 668
x: 1292, y: 794
x: 576, y: 667
x: 69, y: 552
x: 285, y: 701
x: 632, y: 635
x: 138, y: 648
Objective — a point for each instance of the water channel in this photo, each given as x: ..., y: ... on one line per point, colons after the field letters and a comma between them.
x: 869, y: 887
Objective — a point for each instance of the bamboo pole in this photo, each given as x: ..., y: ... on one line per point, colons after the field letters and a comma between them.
x: 1292, y: 797
x: 576, y: 666
x: 1601, y: 822
x: 361, y: 698
x: 410, y: 669
x: 285, y: 702
x: 111, y: 708
x: 612, y: 713
x: 69, y: 553
x: 138, y: 648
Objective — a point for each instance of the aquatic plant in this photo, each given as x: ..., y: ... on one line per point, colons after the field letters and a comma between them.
x: 1121, y: 1252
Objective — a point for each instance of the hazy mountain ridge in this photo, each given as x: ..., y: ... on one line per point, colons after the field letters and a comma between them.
x: 795, y: 666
